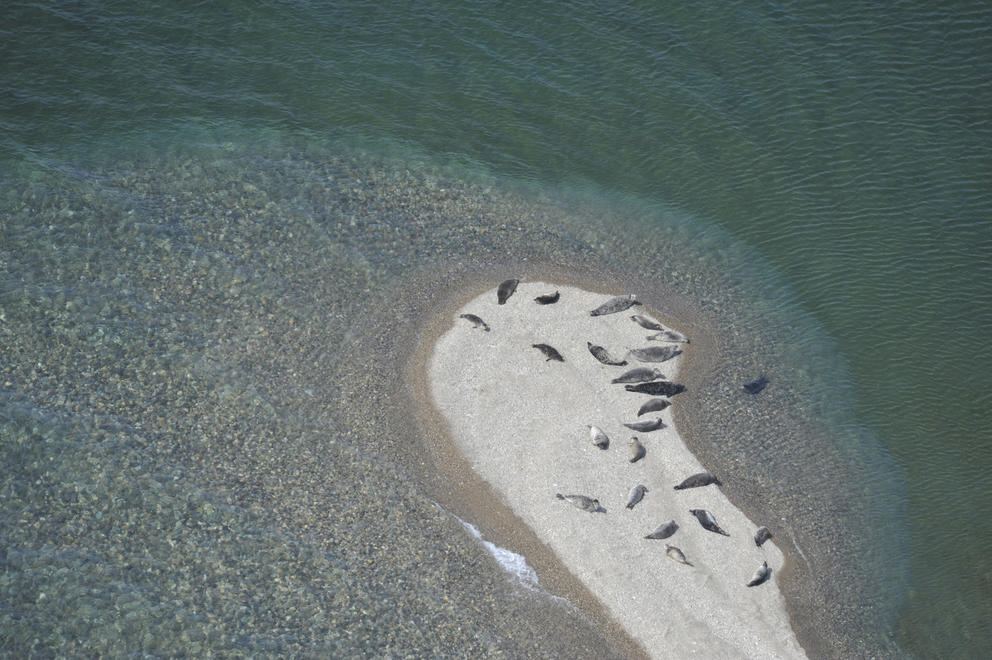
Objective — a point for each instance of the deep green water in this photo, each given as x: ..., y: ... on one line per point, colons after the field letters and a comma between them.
x: 170, y: 191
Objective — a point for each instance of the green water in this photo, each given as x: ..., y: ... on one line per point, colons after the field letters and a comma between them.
x: 826, y: 167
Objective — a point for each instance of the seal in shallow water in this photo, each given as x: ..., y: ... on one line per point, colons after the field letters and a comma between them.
x: 548, y: 299
x: 676, y: 555
x: 581, y: 501
x: 653, y: 405
x: 637, y: 450
x: 636, y: 495
x: 761, y: 535
x: 506, y: 290
x: 604, y: 356
x: 654, y: 353
x: 664, y: 530
x: 646, y: 427
x: 549, y: 352
x: 599, y: 438
x: 663, y: 387
x: 760, y: 575
x: 755, y: 386
x: 475, y: 321
x: 614, y: 305
x: 638, y: 375
x: 707, y: 520
x: 698, y: 480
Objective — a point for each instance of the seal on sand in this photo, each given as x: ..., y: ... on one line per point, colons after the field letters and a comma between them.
x: 653, y: 405
x: 549, y: 352
x: 475, y: 321
x: 636, y: 495
x: 664, y: 530
x: 760, y: 575
x: 646, y: 323
x: 637, y: 450
x: 698, y: 480
x: 638, y: 375
x: 548, y: 299
x: 646, y: 427
x: 707, y: 520
x: 670, y: 335
x: 676, y: 555
x: 581, y: 501
x: 604, y: 356
x: 654, y: 353
x: 506, y: 290
x: 599, y: 438
x: 663, y: 387
x: 761, y: 535
x: 614, y: 305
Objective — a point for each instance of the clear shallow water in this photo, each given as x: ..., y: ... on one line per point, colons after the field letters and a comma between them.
x: 833, y: 162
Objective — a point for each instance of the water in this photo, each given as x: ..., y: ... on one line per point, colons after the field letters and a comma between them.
x: 202, y: 211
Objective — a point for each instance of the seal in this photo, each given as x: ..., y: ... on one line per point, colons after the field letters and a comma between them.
x: 614, y: 305
x: 638, y: 375
x: 548, y: 299
x: 707, y: 520
x: 637, y: 450
x: 646, y: 427
x: 581, y: 501
x: 549, y: 352
x: 755, y: 386
x: 475, y: 321
x: 604, y: 356
x: 599, y: 438
x: 761, y: 535
x: 760, y: 575
x: 664, y: 530
x: 662, y: 387
x: 698, y: 480
x: 676, y: 555
x: 646, y: 323
x: 653, y: 405
x: 670, y: 335
x: 506, y: 290
x: 636, y: 495
x: 654, y: 353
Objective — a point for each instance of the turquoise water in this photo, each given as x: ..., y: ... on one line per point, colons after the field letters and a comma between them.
x: 831, y: 161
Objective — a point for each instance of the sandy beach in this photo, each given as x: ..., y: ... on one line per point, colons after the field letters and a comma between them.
x: 520, y: 422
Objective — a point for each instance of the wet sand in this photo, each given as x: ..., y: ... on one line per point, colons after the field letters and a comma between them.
x: 518, y: 422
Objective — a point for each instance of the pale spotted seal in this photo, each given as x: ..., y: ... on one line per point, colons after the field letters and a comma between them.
x: 707, y: 520
x: 676, y: 555
x: 646, y: 427
x: 638, y: 375
x: 761, y: 535
x: 760, y: 575
x: 698, y: 480
x: 646, y: 323
x: 599, y: 438
x: 506, y: 290
x: 614, y: 305
x: 637, y: 450
x: 548, y: 299
x: 662, y: 387
x: 664, y: 530
x: 636, y: 495
x: 654, y: 353
x: 581, y: 501
x: 755, y: 386
x: 604, y: 356
x: 475, y: 321
x: 653, y: 405
x: 549, y: 352
x: 670, y: 335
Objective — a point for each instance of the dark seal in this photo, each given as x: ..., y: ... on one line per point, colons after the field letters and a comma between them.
x: 549, y: 352
x: 657, y: 388
x: 698, y: 481
x: 549, y: 299
x: 707, y: 520
x: 761, y: 535
x: 506, y: 290
x: 755, y: 386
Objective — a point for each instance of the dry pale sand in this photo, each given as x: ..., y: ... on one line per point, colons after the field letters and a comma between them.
x: 521, y: 423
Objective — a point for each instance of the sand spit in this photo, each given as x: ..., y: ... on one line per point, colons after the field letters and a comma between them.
x: 521, y: 420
